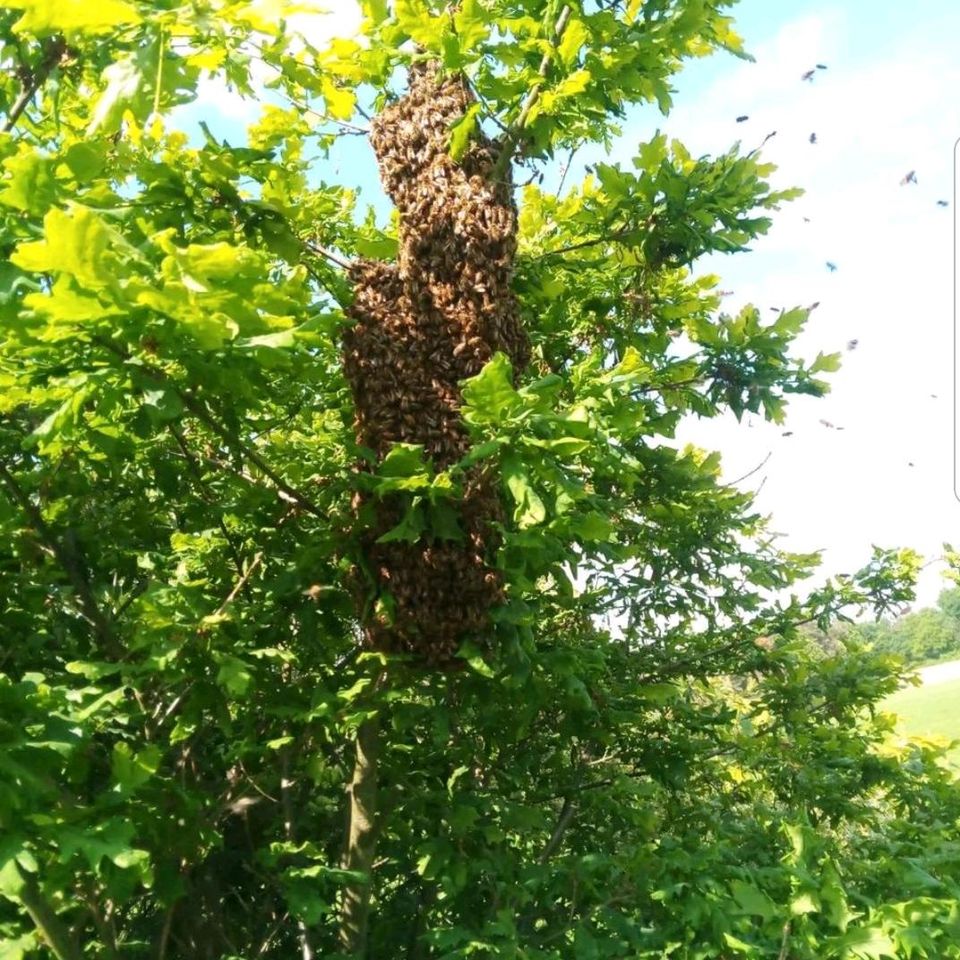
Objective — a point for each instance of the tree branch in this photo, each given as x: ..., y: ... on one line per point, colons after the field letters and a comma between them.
x: 362, y: 839
x: 289, y: 829
x: 204, y: 416
x: 240, y: 584
x: 567, y: 812
x: 208, y: 497
x: 90, y: 609
x: 512, y: 137
x: 582, y: 245
x: 201, y: 413
x: 327, y: 254
x: 53, y: 49
x: 53, y: 931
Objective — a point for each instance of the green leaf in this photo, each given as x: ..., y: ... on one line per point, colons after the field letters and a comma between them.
x: 374, y: 10
x: 472, y: 24
x: 462, y: 131
x: 826, y: 362
x: 19, y: 948
x: 404, y: 460
x: 574, y: 37
x: 865, y: 943
x: 377, y: 248
x: 470, y: 652
x: 658, y: 693
x: 65, y: 306
x: 234, y: 674
x: 202, y: 265
x: 530, y: 509
x: 651, y: 155
x: 12, y: 880
x: 132, y: 770
x: 409, y: 529
x: 125, y: 84
x: 804, y: 902
x: 592, y: 528
x: 163, y: 404
x: 404, y: 468
x: 340, y: 102
x: 490, y: 397
x: 85, y: 160
x: 76, y: 242
x: 28, y: 183
x: 751, y: 900
x: 740, y: 946
x: 419, y: 22
x: 73, y: 16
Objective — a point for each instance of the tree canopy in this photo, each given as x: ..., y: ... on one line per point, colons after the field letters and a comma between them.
x: 635, y: 753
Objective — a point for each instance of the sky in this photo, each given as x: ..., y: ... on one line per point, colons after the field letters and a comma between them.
x: 886, y: 104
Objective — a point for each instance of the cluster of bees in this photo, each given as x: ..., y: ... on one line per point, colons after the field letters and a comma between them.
x: 422, y: 325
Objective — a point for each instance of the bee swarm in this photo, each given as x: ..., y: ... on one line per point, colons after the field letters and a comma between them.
x: 423, y: 324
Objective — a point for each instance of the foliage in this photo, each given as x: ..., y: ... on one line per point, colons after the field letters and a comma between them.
x: 929, y: 710
x: 918, y: 636
x: 641, y: 760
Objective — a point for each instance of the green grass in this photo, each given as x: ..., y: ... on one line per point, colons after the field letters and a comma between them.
x: 929, y: 711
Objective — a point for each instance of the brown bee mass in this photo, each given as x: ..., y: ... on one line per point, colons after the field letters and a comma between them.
x: 423, y: 324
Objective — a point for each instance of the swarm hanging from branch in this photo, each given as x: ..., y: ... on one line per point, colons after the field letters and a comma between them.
x: 422, y: 325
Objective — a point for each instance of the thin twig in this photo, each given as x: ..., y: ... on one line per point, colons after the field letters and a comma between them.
x: 566, y: 170
x: 512, y: 137
x: 239, y: 585
x: 165, y: 932
x: 785, y: 942
x: 201, y: 486
x: 556, y: 838
x: 201, y: 413
x: 270, y: 936
x: 289, y: 829
x: 581, y: 246
x: 104, y: 924
x: 53, y: 50
x: 135, y: 591
x: 328, y: 254
x: 676, y: 385
x: 90, y: 608
x: 53, y: 931
x: 750, y: 473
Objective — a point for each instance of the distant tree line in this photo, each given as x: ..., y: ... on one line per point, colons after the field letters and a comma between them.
x: 919, y: 636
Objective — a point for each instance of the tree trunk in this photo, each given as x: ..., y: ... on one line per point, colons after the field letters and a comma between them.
x: 361, y: 840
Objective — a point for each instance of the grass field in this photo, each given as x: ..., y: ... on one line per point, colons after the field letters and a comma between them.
x: 929, y: 710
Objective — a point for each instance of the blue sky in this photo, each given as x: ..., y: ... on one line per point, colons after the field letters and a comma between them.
x: 888, y: 103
